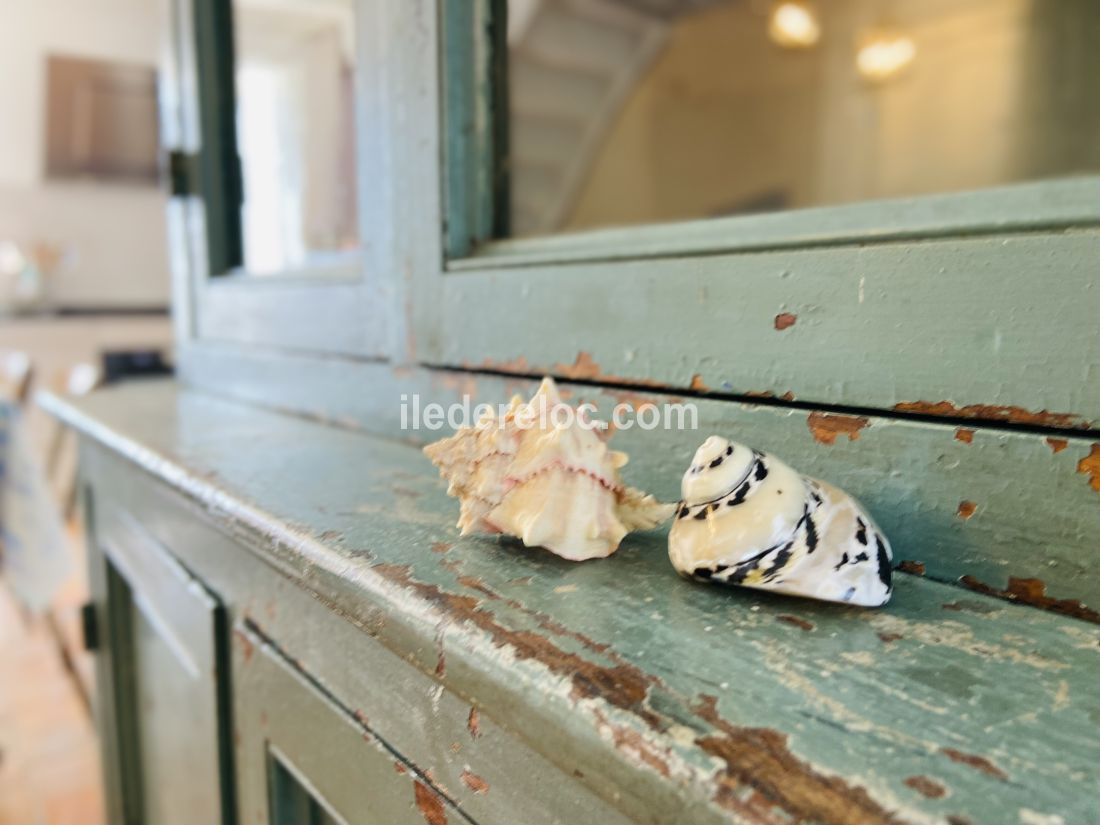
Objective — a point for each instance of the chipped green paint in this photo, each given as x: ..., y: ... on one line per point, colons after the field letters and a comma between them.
x: 1037, y: 513
x: 669, y: 699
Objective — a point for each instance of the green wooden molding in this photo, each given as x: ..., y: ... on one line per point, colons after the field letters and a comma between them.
x: 335, y: 305
x: 1028, y: 207
x: 992, y: 328
x: 219, y: 166
x: 670, y: 699
x: 475, y: 115
x: 171, y: 682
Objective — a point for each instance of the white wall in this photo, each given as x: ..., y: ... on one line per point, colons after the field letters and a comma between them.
x: 113, y: 237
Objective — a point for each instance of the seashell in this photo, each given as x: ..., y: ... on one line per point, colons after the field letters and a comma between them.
x: 550, y: 481
x: 748, y: 519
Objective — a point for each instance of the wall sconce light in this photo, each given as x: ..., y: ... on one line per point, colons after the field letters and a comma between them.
x: 883, y: 53
x: 794, y: 25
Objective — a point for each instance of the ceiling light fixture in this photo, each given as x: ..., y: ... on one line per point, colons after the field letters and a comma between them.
x: 883, y: 54
x: 793, y: 25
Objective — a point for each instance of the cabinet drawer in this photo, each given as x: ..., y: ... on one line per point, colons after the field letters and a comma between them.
x: 303, y: 758
x: 163, y: 684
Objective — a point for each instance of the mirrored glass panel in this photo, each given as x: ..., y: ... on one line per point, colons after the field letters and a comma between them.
x: 633, y: 111
x: 295, y: 67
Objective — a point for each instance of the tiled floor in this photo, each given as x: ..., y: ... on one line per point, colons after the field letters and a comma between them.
x: 49, y: 766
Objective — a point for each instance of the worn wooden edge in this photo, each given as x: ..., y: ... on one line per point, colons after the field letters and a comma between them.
x: 1007, y: 510
x: 610, y: 707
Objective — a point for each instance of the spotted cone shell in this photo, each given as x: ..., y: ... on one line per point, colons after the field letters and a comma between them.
x: 748, y: 519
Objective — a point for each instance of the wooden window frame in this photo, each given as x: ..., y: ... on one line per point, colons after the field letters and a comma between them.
x: 953, y: 305
x: 323, y: 308
x: 855, y: 276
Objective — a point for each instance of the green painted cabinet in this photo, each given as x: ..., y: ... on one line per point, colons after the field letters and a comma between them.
x: 292, y: 630
x: 378, y: 668
x: 165, y: 680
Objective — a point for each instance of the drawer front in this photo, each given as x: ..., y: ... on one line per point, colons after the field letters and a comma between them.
x: 303, y: 758
x: 165, y: 692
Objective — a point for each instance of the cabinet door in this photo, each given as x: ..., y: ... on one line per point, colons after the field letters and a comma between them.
x: 163, y: 696
x: 303, y: 759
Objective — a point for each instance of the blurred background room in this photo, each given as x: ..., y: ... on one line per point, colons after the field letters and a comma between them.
x: 84, y: 296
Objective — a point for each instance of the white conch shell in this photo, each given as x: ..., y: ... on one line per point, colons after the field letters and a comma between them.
x: 551, y: 486
x: 748, y: 519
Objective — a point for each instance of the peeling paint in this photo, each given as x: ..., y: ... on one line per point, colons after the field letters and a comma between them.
x: 1061, y: 698
x: 970, y: 606
x: 1010, y: 414
x: 583, y: 368
x: 1090, y: 466
x: 966, y: 509
x: 633, y: 744
x: 956, y: 635
x: 474, y: 782
x: 797, y: 621
x: 473, y: 723
x: 754, y: 758
x: 785, y: 320
x: 430, y: 805
x: 1030, y: 817
x: 826, y: 427
x: 964, y: 435
x: 915, y: 568
x: 244, y: 643
x: 1033, y: 592
x: 441, y: 546
x: 787, y: 396
x: 977, y: 762
x: 926, y: 786
x: 518, y: 364
x: 1057, y: 444
x: 697, y: 383
x: 760, y: 759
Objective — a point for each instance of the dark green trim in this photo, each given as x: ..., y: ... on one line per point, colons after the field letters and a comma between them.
x: 499, y: 114
x: 89, y: 627
x: 219, y: 168
x: 476, y: 186
x: 120, y: 607
x: 183, y: 173
x: 224, y: 689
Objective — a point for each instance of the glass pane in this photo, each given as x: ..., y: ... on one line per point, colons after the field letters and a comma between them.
x: 292, y: 803
x: 630, y: 111
x: 296, y: 130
